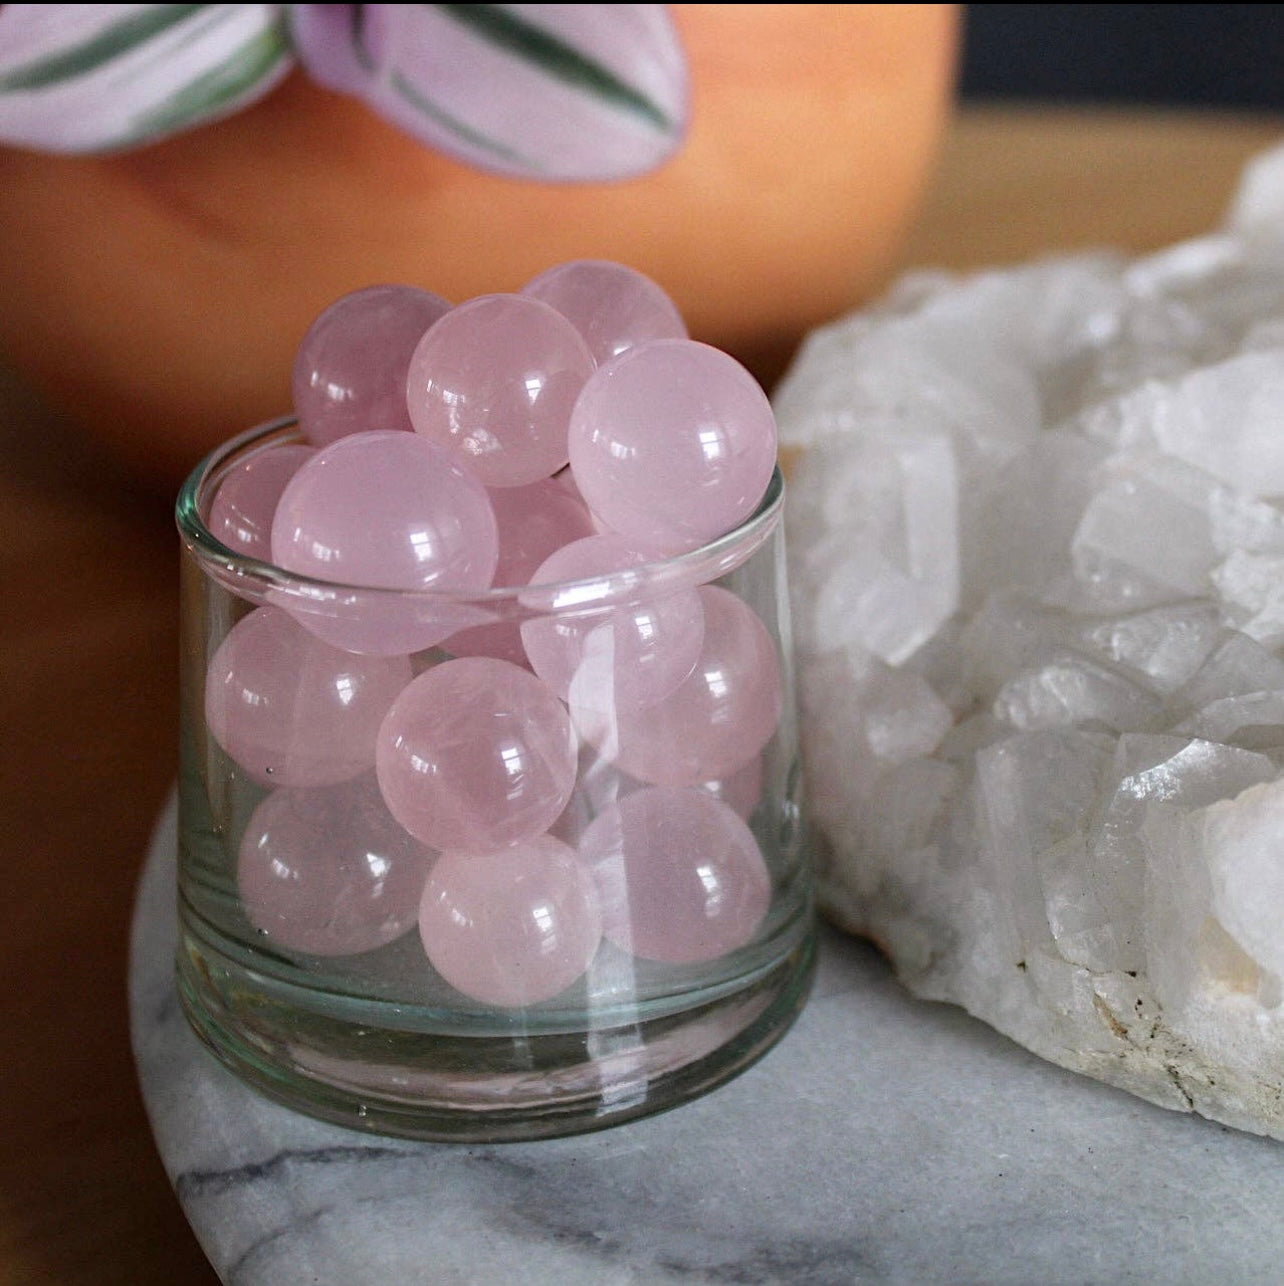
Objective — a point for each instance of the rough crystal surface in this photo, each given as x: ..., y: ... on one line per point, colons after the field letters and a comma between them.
x: 1036, y: 530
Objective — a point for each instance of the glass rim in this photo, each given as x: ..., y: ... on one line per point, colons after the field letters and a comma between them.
x: 240, y: 572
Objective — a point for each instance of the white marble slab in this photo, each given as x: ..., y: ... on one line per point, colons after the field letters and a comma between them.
x: 884, y: 1140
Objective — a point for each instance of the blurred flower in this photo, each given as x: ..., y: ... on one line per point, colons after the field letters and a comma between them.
x: 552, y: 92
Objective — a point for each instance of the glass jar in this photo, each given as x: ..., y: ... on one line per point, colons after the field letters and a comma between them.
x: 500, y: 878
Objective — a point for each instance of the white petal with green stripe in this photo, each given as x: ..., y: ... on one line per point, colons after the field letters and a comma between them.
x: 544, y: 91
x: 100, y: 77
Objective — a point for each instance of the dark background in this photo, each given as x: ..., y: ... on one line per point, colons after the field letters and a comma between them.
x: 1229, y: 55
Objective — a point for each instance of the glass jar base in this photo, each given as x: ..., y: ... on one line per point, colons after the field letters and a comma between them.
x: 485, y: 1089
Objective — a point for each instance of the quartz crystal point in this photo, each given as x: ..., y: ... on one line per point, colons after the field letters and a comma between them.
x: 1036, y: 536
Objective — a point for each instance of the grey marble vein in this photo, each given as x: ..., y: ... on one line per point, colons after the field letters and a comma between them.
x: 884, y: 1140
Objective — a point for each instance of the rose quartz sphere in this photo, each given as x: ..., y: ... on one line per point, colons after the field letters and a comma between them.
x: 638, y: 652
x: 680, y: 876
x: 493, y: 383
x: 476, y: 753
x: 245, y: 503
x: 613, y: 306
x: 328, y: 872
x: 513, y: 926
x: 350, y: 368
x: 290, y: 709
x: 712, y: 724
x: 386, y: 510
x: 565, y: 479
x: 533, y: 521
x: 741, y: 790
x: 599, y: 784
x: 672, y: 444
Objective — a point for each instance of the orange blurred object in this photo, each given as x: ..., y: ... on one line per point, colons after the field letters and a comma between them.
x: 157, y: 296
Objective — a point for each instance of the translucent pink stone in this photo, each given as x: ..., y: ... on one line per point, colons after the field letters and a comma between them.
x: 292, y: 710
x: 712, y: 724
x: 493, y: 382
x: 245, y: 503
x: 350, y: 368
x: 639, y: 651
x: 742, y: 790
x: 613, y: 306
x: 672, y: 444
x: 328, y: 872
x: 533, y: 521
x: 600, y: 784
x: 565, y: 479
x: 514, y: 926
x: 388, y: 510
x: 680, y: 875
x: 476, y: 753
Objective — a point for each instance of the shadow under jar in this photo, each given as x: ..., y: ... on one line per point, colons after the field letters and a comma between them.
x: 488, y: 866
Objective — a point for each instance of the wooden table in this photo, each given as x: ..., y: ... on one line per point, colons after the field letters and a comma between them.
x: 88, y: 639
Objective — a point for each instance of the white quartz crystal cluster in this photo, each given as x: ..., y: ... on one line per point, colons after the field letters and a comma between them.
x: 1036, y: 526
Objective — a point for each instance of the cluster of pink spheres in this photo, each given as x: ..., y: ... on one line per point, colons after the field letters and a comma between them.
x: 539, y: 786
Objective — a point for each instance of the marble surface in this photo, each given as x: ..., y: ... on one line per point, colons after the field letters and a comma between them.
x: 884, y: 1140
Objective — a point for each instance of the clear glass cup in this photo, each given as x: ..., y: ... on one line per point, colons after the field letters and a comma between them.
x: 633, y: 927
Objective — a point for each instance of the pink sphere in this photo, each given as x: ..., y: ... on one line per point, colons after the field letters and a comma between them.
x: 493, y: 383
x: 679, y: 874
x: 565, y: 479
x: 245, y: 503
x: 514, y: 926
x: 672, y: 444
x: 636, y: 653
x: 599, y: 784
x: 533, y: 521
x: 475, y: 754
x: 613, y: 306
x: 741, y: 790
x: 328, y: 872
x: 386, y: 510
x: 350, y: 368
x: 712, y: 724
x: 290, y: 709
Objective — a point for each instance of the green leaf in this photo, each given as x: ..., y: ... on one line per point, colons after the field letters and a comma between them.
x: 217, y: 88
x: 110, y: 77
x: 459, y: 129
x: 497, y: 26
x: 99, y: 49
